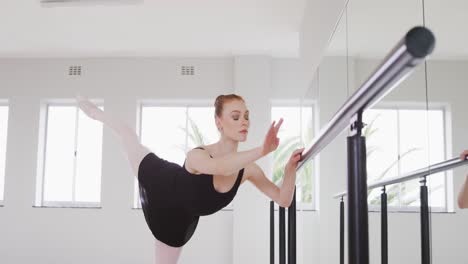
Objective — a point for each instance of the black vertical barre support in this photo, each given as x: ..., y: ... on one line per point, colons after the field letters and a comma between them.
x: 282, y: 236
x: 384, y: 226
x: 358, y: 226
x: 342, y: 238
x: 425, y: 235
x: 292, y: 230
x: 272, y: 232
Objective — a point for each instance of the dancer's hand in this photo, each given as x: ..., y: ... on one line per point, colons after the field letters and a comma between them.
x: 464, y: 154
x: 293, y: 161
x: 271, y: 141
x: 89, y: 108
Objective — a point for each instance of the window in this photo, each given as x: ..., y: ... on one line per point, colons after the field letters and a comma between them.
x: 297, y: 131
x: 3, y: 145
x: 398, y: 143
x: 171, y: 131
x: 71, y: 171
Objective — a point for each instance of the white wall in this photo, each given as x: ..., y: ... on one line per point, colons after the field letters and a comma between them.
x: 116, y: 233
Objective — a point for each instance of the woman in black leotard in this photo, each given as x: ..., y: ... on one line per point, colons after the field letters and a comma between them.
x: 173, y: 197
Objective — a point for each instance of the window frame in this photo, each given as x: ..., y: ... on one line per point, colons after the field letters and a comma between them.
x: 40, y: 173
x: 446, y: 113
x: 301, y: 206
x: 5, y: 103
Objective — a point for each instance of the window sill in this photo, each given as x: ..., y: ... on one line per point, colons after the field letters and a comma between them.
x: 74, y: 205
x: 71, y: 207
x: 232, y: 209
x: 298, y: 210
x: 416, y: 209
x: 224, y: 209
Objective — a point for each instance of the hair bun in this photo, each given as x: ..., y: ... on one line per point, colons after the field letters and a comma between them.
x: 221, y: 99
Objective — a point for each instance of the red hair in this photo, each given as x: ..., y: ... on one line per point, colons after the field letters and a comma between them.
x: 222, y: 99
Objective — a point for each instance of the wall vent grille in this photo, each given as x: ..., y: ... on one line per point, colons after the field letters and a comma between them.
x: 188, y: 70
x: 74, y: 70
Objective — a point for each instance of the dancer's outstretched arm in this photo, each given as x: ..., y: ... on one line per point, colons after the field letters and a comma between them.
x: 463, y: 195
x: 282, y: 195
x: 200, y: 161
x: 134, y: 149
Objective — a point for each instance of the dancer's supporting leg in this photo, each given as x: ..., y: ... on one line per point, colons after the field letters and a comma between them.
x: 165, y: 254
x: 133, y: 148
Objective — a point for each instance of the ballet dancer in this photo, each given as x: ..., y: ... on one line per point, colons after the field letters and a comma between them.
x: 173, y: 197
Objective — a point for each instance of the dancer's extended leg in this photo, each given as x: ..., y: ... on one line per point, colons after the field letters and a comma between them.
x: 134, y: 149
x: 165, y: 254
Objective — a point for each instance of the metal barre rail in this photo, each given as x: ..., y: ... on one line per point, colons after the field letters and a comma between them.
x: 410, y: 51
x: 433, y: 169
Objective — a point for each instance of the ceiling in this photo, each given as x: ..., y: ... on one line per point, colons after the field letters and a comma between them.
x: 133, y: 28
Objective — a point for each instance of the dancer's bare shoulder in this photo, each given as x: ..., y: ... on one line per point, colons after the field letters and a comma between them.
x: 199, y: 161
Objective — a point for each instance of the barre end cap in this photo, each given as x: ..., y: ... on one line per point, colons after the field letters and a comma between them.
x: 420, y: 41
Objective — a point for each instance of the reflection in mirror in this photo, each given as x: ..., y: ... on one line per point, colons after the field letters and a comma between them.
x: 396, y: 131
x: 327, y: 92
x: 306, y: 178
x: 332, y: 73
x: 447, y: 95
x: 375, y: 27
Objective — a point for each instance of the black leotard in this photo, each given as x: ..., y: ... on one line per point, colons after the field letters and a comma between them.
x: 173, y: 199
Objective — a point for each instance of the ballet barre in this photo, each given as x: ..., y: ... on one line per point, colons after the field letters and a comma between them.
x: 408, y: 53
x: 424, y: 206
x: 432, y: 169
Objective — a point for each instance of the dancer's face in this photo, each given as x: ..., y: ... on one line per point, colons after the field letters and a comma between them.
x: 234, y: 121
